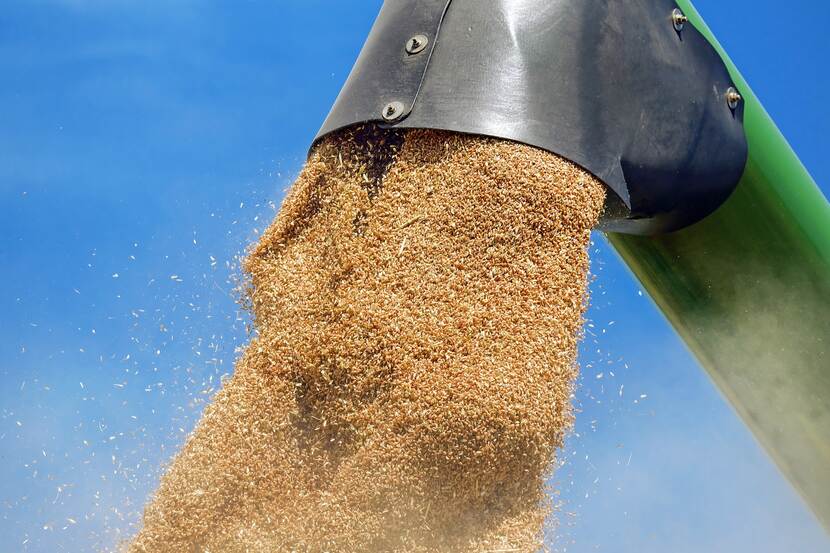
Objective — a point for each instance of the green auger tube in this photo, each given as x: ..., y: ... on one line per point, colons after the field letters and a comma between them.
x: 748, y: 289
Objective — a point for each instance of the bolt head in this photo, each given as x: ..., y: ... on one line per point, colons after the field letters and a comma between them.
x: 679, y: 19
x: 733, y: 98
x: 416, y: 44
x: 392, y: 111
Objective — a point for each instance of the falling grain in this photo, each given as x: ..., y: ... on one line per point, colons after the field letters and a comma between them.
x: 418, y: 302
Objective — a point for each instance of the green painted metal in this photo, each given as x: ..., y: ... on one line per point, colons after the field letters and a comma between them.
x: 748, y: 289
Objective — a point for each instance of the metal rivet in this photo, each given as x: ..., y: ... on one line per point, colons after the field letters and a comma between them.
x: 392, y: 111
x: 416, y: 44
x: 733, y: 98
x: 679, y: 19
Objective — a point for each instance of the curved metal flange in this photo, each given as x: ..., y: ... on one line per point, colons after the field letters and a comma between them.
x: 611, y: 85
x: 388, y: 74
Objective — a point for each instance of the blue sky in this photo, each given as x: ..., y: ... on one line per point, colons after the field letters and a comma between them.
x: 144, y: 144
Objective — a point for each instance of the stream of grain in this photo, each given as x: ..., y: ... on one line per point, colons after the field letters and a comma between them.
x: 418, y: 303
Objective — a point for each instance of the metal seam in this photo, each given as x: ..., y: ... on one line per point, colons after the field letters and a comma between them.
x: 426, y: 65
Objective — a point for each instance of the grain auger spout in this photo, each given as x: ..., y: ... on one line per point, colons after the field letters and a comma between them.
x: 639, y: 99
x: 707, y: 204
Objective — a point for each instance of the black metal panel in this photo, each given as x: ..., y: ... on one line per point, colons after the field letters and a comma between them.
x: 608, y: 84
x: 385, y: 72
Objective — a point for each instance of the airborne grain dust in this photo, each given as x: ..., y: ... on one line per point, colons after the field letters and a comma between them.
x: 418, y: 302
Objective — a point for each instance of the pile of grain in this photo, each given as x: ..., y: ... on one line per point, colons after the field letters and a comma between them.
x: 418, y: 302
